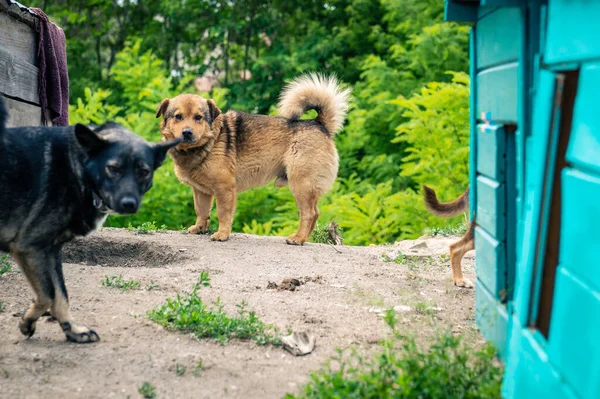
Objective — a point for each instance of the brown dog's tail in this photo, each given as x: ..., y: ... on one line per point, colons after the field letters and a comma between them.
x: 319, y: 92
x: 445, y: 209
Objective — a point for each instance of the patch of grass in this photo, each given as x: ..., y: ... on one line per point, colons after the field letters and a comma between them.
x: 151, y: 286
x: 2, y: 306
x: 402, y: 369
x: 425, y: 308
x: 199, y: 368
x: 147, y: 390
x: 320, y: 235
x: 179, y: 369
x: 119, y: 282
x: 453, y: 230
x: 147, y: 228
x: 5, y: 266
x: 188, y: 313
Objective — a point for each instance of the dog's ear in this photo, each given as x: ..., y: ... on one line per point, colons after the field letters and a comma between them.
x: 162, y: 108
x: 89, y: 140
x: 213, y: 110
x: 160, y: 151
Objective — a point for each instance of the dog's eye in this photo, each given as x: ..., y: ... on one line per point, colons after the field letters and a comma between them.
x: 112, y: 170
x: 144, y: 173
x: 198, y: 118
x: 179, y: 117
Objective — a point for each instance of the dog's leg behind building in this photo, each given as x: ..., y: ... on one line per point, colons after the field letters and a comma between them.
x: 466, y: 243
x: 458, y: 249
x: 43, y: 269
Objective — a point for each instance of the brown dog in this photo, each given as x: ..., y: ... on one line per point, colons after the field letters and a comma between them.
x: 466, y: 243
x: 235, y: 151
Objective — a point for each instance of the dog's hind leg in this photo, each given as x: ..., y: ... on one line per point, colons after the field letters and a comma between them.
x: 306, y: 200
x: 60, y: 309
x: 43, y: 269
x: 42, y: 286
x: 458, y: 249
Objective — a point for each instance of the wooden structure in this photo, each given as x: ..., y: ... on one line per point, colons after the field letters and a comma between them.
x: 19, y: 82
x: 535, y: 178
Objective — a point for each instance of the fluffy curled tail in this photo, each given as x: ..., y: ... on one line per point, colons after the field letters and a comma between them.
x: 3, y: 116
x: 319, y: 92
x: 445, y: 209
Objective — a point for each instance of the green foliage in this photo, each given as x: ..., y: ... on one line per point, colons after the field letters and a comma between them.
x: 188, y: 313
x: 2, y: 306
x: 179, y: 369
x: 147, y: 390
x: 320, y: 235
x: 404, y: 369
x: 146, y: 228
x: 5, y: 266
x: 119, y: 282
x: 407, y: 125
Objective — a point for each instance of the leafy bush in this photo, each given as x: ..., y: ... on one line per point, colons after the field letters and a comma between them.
x: 404, y: 369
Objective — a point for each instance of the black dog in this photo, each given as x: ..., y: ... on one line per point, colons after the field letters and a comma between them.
x: 60, y: 182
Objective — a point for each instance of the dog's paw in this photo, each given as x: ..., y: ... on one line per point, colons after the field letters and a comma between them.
x: 27, y: 327
x: 464, y: 283
x: 294, y: 240
x: 219, y: 236
x: 195, y: 229
x: 79, y: 334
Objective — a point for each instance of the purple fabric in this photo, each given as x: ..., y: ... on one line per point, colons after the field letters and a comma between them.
x: 53, y: 76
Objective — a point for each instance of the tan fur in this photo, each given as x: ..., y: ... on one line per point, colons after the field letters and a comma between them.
x: 466, y: 243
x: 235, y: 151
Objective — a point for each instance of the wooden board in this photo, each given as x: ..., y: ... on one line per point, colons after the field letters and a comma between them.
x: 497, y: 93
x: 490, y: 264
x: 584, y: 145
x: 18, y: 39
x: 573, y: 345
x: 491, y: 207
x: 498, y: 37
x: 491, y: 151
x: 18, y: 78
x: 491, y: 318
x: 22, y: 114
x: 528, y: 373
x: 573, y: 31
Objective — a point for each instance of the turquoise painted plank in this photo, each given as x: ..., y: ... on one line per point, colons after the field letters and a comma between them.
x: 499, y: 37
x: 573, y: 344
x: 490, y: 263
x: 572, y: 31
x: 491, y: 207
x: 497, y: 93
x: 491, y: 318
x: 491, y: 147
x: 528, y: 373
x: 534, y: 164
x: 473, y: 123
x: 503, y: 3
x: 483, y: 11
x: 584, y: 145
x: 510, y: 222
x: 460, y: 12
x: 580, y: 227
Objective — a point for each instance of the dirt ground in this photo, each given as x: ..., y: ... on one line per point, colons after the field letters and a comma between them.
x: 343, y: 308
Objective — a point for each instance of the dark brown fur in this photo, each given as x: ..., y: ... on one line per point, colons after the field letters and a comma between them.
x: 466, y: 243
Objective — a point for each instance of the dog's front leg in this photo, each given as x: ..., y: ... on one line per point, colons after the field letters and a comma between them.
x: 202, y: 205
x: 60, y: 309
x: 226, y: 197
